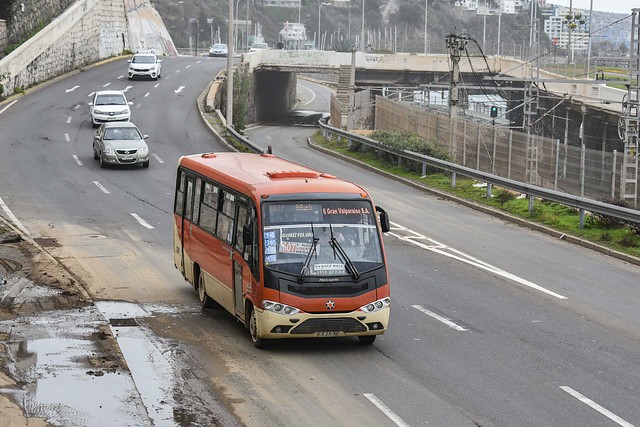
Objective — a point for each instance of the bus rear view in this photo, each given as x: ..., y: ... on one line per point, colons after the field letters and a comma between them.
x: 307, y: 250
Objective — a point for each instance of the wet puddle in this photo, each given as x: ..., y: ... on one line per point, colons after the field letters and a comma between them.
x: 50, y: 354
x: 68, y: 379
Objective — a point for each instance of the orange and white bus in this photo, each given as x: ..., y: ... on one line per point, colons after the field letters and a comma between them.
x: 289, y: 251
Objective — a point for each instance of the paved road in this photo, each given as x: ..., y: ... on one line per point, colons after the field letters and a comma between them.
x: 492, y: 324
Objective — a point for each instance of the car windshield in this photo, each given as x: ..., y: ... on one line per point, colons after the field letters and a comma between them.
x: 219, y: 46
x: 109, y: 100
x: 344, y: 232
x: 122, y: 134
x: 143, y: 59
x: 259, y: 46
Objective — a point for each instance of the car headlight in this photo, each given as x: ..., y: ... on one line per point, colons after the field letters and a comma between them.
x: 98, y: 112
x: 152, y: 68
x: 376, y: 305
x: 109, y: 150
x: 144, y: 150
x: 125, y: 111
x: 278, y: 308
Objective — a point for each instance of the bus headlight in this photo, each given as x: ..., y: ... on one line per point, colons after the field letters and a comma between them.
x: 376, y: 305
x: 278, y: 308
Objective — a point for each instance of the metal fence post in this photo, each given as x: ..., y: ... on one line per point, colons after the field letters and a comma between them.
x: 555, y: 174
x: 464, y: 143
x: 583, y: 155
x: 493, y: 154
x: 509, y: 154
x: 613, y: 174
x: 478, y: 150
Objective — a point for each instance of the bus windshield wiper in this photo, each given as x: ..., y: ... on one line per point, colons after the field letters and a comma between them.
x: 307, y: 261
x: 347, y: 261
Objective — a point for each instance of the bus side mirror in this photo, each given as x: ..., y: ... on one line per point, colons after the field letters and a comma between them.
x: 384, y: 219
x: 247, y: 235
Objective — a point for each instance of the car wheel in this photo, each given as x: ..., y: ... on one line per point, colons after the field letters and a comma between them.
x: 102, y: 163
x: 253, y: 331
x: 95, y: 155
x: 145, y: 164
x: 94, y: 125
x: 367, y: 339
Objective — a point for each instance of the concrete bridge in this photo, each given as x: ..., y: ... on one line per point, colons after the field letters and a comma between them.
x: 589, y: 103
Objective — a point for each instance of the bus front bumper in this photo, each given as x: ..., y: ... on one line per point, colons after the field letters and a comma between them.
x: 306, y: 325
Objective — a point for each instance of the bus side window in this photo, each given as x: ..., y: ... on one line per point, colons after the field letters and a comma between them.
x: 209, y: 207
x: 179, y: 207
x: 196, y: 200
x: 226, y: 214
x: 189, y: 206
x: 243, y: 219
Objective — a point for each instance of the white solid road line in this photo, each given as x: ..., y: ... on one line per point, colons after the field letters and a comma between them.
x: 141, y: 221
x: 8, y: 105
x: 441, y: 249
x: 442, y: 319
x: 101, y: 187
x: 594, y: 405
x: 385, y: 410
x: 13, y: 218
x: 78, y: 161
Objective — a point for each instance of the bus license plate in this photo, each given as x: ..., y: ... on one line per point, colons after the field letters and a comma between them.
x: 328, y: 333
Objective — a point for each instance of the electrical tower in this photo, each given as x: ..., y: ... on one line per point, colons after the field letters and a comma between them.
x: 629, y: 124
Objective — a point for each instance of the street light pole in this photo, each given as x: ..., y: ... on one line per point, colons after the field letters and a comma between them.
x: 589, y: 49
x: 231, y: 48
x: 320, y: 4
x: 426, y: 16
x: 362, y: 33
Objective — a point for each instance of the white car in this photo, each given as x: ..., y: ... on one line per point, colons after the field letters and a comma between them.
x: 120, y: 144
x: 109, y: 106
x: 258, y: 46
x: 145, y: 64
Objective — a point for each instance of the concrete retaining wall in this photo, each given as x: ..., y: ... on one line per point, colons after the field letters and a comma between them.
x: 87, y: 32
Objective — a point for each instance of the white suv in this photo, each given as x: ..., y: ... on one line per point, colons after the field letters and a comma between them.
x: 145, y: 64
x: 109, y: 106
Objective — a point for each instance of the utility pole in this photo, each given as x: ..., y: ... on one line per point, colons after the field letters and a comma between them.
x: 455, y: 44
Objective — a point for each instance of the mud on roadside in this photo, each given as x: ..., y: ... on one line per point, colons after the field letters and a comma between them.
x: 34, y: 289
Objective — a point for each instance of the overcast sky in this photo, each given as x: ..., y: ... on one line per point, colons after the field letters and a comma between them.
x: 615, y: 6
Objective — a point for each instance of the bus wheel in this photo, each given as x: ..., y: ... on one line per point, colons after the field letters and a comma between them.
x: 367, y: 339
x: 253, y: 330
x: 205, y: 300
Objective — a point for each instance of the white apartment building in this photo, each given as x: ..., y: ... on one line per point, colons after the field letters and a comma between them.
x: 557, y: 29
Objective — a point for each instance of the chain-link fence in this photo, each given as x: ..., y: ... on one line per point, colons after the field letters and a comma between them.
x: 545, y: 162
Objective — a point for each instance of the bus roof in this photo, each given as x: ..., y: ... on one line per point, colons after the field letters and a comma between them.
x: 265, y: 174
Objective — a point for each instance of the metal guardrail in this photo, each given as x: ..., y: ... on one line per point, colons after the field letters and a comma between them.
x: 578, y: 202
x: 244, y: 141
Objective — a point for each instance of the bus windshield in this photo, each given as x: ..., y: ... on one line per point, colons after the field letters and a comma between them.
x: 344, y: 232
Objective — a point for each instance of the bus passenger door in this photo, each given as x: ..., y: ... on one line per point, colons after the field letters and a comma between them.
x: 241, y: 274
x: 186, y: 232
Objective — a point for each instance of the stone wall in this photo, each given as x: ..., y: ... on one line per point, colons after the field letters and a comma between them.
x: 88, y: 31
x: 3, y: 36
x: 27, y: 16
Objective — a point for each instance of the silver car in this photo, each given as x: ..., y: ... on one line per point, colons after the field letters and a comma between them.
x: 219, y: 50
x: 120, y: 144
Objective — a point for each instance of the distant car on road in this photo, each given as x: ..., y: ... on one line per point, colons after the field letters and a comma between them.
x: 219, y: 50
x: 145, y: 64
x: 120, y: 144
x: 109, y: 106
x: 258, y: 46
